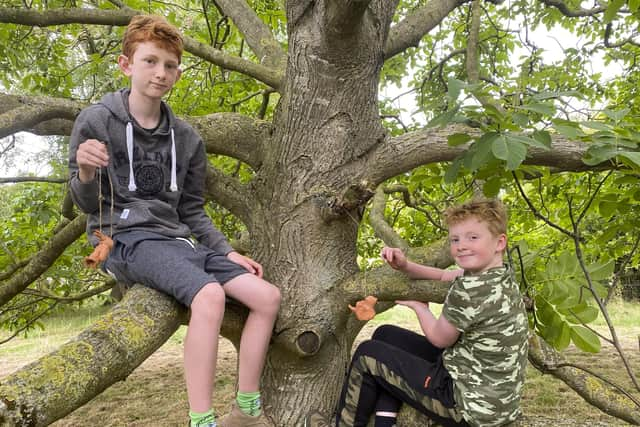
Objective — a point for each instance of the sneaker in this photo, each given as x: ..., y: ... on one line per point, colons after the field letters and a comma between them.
x: 213, y: 424
x: 316, y: 419
x: 237, y: 418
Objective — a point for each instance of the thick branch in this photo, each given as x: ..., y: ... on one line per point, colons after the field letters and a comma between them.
x: 403, y: 153
x: 121, y: 17
x: 234, y: 135
x: 21, y: 113
x: 102, y: 355
x: 42, y: 260
x: 389, y: 285
x: 49, y: 17
x: 410, y: 31
x: 256, y: 33
x: 595, y: 391
x: 230, y: 193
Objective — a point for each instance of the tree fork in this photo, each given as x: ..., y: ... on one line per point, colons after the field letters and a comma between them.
x: 105, y: 353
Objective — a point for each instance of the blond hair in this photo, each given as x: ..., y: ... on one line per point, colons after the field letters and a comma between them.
x: 491, y: 211
x: 152, y: 28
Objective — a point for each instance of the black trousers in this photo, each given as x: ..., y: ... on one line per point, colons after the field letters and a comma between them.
x: 397, y: 366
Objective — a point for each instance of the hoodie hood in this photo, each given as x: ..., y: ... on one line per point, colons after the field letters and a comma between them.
x: 118, y: 104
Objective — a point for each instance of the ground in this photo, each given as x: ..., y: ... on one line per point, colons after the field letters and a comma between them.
x: 154, y: 394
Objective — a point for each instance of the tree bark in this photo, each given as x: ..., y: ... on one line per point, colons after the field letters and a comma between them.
x: 107, y: 352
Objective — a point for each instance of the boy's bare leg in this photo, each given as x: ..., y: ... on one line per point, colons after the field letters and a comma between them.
x: 263, y: 301
x: 201, y: 345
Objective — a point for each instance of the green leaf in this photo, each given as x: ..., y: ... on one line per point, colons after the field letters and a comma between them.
x: 452, y: 171
x: 616, y: 115
x: 632, y: 156
x: 612, y: 10
x: 540, y: 107
x: 520, y: 119
x: 602, y: 270
x: 480, y: 151
x: 563, y: 338
x: 571, y: 132
x: 581, y: 313
x: 492, y: 186
x: 455, y: 87
x: 458, y: 139
x: 584, y: 339
x: 510, y: 150
x: 531, y: 142
x: 596, y: 125
x: 543, y: 137
x: 443, y: 119
x: 634, y: 5
x: 607, y: 208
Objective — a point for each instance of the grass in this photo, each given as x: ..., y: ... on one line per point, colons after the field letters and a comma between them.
x: 154, y: 393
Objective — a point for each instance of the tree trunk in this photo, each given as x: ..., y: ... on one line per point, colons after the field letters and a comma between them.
x: 107, y: 352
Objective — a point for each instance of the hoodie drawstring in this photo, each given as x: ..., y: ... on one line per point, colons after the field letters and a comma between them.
x: 174, y: 179
x: 132, y: 181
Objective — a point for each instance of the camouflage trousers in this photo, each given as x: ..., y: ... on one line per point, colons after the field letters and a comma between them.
x: 397, y: 366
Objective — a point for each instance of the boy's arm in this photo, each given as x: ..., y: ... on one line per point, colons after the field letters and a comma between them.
x: 398, y: 260
x: 440, y: 332
x: 84, y: 192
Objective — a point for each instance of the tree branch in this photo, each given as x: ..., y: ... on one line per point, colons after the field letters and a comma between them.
x: 380, y: 226
x: 573, y: 13
x: 21, y: 113
x: 269, y: 76
x: 42, y: 260
x: 256, y: 33
x: 13, y: 179
x: 410, y: 31
x: 388, y: 284
x: 234, y: 135
x: 121, y: 17
x: 592, y: 389
x: 405, y: 152
x: 105, y: 353
x: 230, y: 193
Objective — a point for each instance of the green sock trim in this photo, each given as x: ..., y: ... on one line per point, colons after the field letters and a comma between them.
x: 202, y: 418
x: 249, y: 403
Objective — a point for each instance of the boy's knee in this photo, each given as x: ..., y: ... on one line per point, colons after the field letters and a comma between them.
x: 365, y: 348
x: 209, y: 300
x: 383, y: 331
x: 274, y: 297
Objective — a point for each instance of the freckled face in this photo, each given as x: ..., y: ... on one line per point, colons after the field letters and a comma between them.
x: 474, y: 247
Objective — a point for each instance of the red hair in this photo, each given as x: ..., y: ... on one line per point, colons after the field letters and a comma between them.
x: 152, y: 28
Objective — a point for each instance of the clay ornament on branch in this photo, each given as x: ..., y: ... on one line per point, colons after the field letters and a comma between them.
x: 100, y: 252
x: 364, y: 308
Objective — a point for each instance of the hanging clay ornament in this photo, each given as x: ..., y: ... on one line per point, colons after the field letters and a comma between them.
x: 364, y: 308
x: 100, y: 252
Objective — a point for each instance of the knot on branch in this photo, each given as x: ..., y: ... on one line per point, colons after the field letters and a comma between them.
x: 354, y: 198
x: 308, y: 343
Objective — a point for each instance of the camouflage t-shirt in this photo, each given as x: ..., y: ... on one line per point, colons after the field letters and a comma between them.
x: 488, y: 361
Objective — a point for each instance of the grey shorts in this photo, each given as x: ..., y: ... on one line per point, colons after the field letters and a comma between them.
x: 174, y: 266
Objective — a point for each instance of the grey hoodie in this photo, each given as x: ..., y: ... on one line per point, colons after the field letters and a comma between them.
x: 158, y: 175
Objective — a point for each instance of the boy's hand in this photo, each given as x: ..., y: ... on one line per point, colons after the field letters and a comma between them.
x: 252, y: 266
x: 415, y: 305
x: 91, y: 154
x: 394, y: 257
